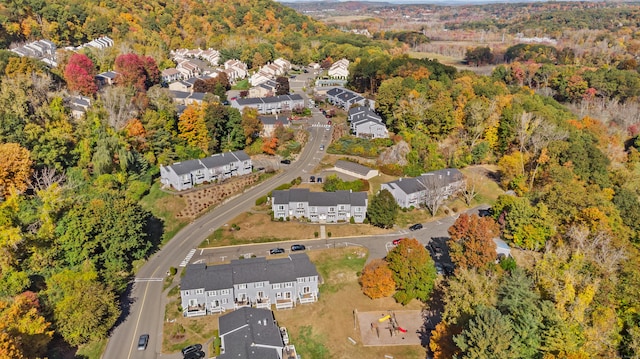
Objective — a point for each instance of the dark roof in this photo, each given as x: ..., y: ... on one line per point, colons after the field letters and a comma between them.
x: 249, y: 270
x: 417, y: 184
x: 272, y: 120
x: 353, y: 167
x: 250, y: 333
x: 320, y: 199
x: 211, y: 278
x: 272, y: 99
x: 179, y: 94
x: 182, y: 168
x: 109, y: 74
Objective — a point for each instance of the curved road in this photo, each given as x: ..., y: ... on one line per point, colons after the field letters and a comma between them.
x: 147, y: 308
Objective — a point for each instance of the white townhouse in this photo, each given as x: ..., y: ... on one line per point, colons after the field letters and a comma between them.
x: 365, y: 123
x: 413, y: 192
x: 330, y: 207
x: 250, y: 282
x: 235, y: 70
x: 339, y: 69
x: 270, y: 105
x: 185, y: 175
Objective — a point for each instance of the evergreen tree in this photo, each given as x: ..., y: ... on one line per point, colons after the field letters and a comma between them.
x: 383, y: 210
x: 488, y: 336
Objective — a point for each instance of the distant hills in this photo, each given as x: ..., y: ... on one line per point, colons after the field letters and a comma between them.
x: 441, y: 2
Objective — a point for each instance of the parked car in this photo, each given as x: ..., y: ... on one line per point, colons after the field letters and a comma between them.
x: 321, y: 147
x: 286, y: 162
x: 276, y: 251
x: 191, y: 349
x: 416, y: 226
x: 312, y: 179
x: 143, y: 341
x: 199, y: 354
x: 298, y: 247
x: 439, y: 269
x: 397, y: 241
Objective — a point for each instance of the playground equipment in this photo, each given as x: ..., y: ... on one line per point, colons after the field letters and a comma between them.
x: 393, y: 326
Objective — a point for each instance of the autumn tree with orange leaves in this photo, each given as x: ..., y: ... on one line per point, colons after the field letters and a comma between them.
x: 472, y: 241
x: 15, y: 168
x: 377, y: 280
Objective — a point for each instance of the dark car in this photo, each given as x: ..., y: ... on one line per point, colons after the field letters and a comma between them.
x: 298, y: 247
x: 198, y: 354
x: 286, y: 162
x: 143, y: 341
x: 191, y: 349
x: 416, y: 226
x: 397, y: 241
x: 276, y: 251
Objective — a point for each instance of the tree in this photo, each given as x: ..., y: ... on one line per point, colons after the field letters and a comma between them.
x: 472, y: 241
x: 251, y: 125
x: 479, y: 56
x: 282, y: 85
x: 377, y: 280
x: 413, y: 270
x: 22, y: 320
x: 80, y: 74
x: 270, y: 145
x: 84, y: 310
x: 383, y: 210
x: 487, y: 336
x: 136, y: 71
x: 193, y: 128
x: 526, y: 226
x: 15, y: 168
x: 436, y: 191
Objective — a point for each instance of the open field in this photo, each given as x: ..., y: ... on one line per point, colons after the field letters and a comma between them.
x: 453, y: 61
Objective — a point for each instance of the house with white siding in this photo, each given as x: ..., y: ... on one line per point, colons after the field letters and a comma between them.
x: 345, y: 99
x: 218, y: 167
x: 269, y: 105
x: 323, y: 207
x: 365, y: 123
x: 413, y: 192
x: 250, y: 282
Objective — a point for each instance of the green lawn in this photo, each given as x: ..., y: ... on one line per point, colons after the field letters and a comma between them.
x: 241, y: 85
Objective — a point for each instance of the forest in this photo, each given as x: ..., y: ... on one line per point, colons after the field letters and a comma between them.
x: 74, y: 220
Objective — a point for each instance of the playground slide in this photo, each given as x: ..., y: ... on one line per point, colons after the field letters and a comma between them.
x: 386, y: 317
x: 402, y: 329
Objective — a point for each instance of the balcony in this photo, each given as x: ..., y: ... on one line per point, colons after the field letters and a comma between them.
x: 262, y: 303
x: 195, y: 310
x: 284, y: 303
x: 308, y: 297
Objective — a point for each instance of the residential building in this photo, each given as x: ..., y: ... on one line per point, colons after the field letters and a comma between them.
x: 355, y: 170
x: 283, y: 64
x: 502, y: 248
x: 170, y: 75
x: 345, y: 99
x: 413, y: 192
x: 270, y: 105
x: 251, y: 333
x: 218, y: 167
x: 188, y: 69
x: 235, y: 70
x: 100, y: 43
x: 265, y: 89
x: 187, y: 98
x: 259, y: 78
x: 339, y: 206
x: 269, y: 124
x: 339, y: 69
x: 251, y: 282
x: 366, y: 124
x: 43, y: 50
x: 78, y: 105
x: 106, y: 78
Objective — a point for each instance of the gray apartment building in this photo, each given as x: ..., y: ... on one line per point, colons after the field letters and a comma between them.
x: 270, y: 105
x: 252, y: 282
x: 365, y: 123
x: 412, y: 192
x: 185, y: 175
x: 329, y: 207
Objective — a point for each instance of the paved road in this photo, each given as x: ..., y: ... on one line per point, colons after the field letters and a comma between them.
x: 147, y: 309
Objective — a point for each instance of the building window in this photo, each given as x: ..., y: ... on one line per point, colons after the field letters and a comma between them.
x: 199, y: 291
x: 225, y: 301
x: 288, y: 285
x: 281, y: 208
x: 332, y: 209
x: 341, y: 208
x: 276, y: 286
x: 301, y: 280
x: 186, y: 292
x: 300, y: 205
x: 306, y: 290
x: 242, y: 286
x: 259, y: 284
x: 224, y: 292
x: 211, y: 293
x: 313, y: 209
x: 260, y: 294
x: 358, y: 209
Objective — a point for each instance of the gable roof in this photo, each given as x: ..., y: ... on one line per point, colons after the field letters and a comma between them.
x: 353, y: 167
x: 273, y: 120
x: 320, y: 199
x: 250, y: 333
x: 182, y: 168
x: 249, y: 270
x: 417, y: 184
x: 214, y: 161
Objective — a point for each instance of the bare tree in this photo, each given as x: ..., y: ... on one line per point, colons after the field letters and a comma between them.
x: 118, y: 105
x: 470, y: 190
x: 436, y: 191
x: 45, y: 177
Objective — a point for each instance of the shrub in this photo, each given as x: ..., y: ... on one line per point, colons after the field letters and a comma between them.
x: 173, y: 270
x: 329, y: 234
x: 316, y: 234
x: 261, y: 200
x: 352, y: 220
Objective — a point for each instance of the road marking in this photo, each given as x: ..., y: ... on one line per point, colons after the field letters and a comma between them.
x: 186, y: 259
x: 201, y: 250
x: 139, y: 280
x: 133, y: 340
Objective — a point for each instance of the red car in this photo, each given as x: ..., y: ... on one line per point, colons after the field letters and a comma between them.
x: 396, y: 241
